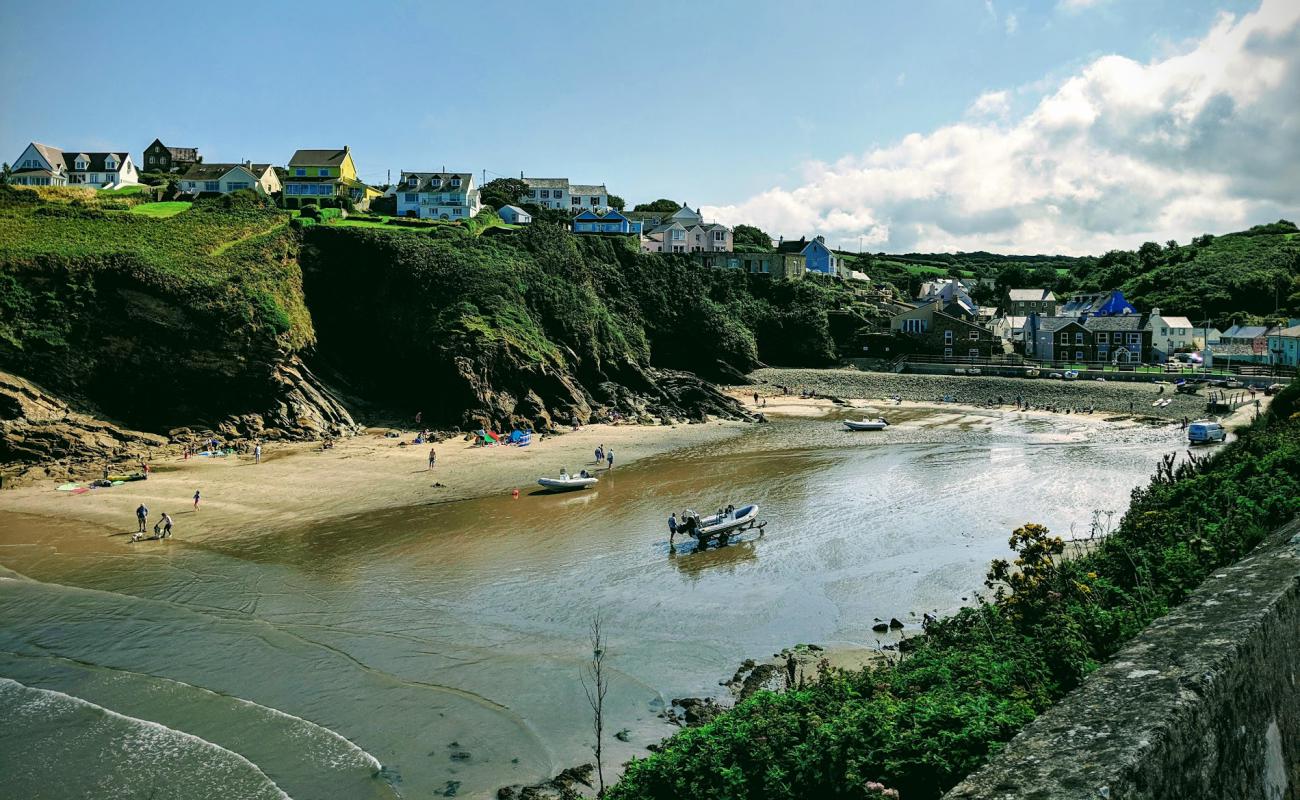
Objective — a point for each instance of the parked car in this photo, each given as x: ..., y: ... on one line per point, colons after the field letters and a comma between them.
x: 1205, y: 432
x: 1273, y: 389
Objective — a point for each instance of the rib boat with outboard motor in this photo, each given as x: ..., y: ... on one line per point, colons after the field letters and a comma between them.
x: 720, y: 527
x: 567, y: 482
x: 877, y: 424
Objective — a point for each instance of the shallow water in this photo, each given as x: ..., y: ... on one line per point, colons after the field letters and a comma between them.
x: 444, y: 641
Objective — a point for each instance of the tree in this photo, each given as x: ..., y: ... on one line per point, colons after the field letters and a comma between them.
x: 662, y: 204
x: 594, y: 685
x: 502, y: 192
x: 616, y: 202
x: 751, y: 236
x: 5, y: 173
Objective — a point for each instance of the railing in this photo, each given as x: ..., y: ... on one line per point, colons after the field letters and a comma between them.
x: 1154, y: 370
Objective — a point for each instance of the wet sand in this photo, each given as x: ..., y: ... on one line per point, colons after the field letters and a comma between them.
x: 300, y: 483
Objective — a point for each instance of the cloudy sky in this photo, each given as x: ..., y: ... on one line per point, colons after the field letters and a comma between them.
x: 1203, y: 136
x: 1064, y: 126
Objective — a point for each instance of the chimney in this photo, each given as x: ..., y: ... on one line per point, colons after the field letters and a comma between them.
x: 347, y: 149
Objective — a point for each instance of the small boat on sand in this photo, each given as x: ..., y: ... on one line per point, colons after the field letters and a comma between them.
x: 1070, y: 375
x: 567, y: 482
x: 720, y: 526
x: 878, y: 424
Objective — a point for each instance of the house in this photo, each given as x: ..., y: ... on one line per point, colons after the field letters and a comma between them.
x: 1244, y: 334
x: 1122, y: 339
x: 43, y: 165
x: 227, y: 178
x: 1170, y: 335
x: 1284, y: 345
x: 952, y: 296
x: 819, y: 257
x: 1010, y: 329
x: 1023, y: 302
x: 559, y: 194
x: 775, y: 265
x: 324, y: 177
x: 158, y: 157
x: 935, y: 331
x: 514, y: 215
x: 437, y: 195
x: 1102, y: 304
x: 682, y: 231
x: 611, y: 222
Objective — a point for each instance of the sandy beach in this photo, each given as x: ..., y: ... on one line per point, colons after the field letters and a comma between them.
x: 298, y: 483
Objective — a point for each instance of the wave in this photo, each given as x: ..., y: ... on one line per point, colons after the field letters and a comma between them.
x: 39, y: 701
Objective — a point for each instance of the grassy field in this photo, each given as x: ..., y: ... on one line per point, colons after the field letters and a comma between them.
x: 125, y: 191
x: 161, y: 210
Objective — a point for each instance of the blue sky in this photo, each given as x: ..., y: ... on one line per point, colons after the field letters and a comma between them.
x: 708, y: 102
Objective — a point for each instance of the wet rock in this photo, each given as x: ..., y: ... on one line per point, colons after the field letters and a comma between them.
x: 451, y: 789
x: 698, y: 710
x: 624, y: 735
x: 880, y: 627
x: 895, y: 624
x: 507, y: 793
x: 460, y: 755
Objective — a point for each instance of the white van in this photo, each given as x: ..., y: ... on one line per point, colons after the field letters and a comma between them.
x: 1205, y: 432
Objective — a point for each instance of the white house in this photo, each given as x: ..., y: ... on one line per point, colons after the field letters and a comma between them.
x: 437, y: 195
x: 514, y: 215
x: 42, y: 165
x: 227, y: 178
x: 1170, y: 334
x: 559, y: 194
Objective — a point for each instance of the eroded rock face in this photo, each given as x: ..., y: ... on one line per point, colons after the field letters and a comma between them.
x: 42, y: 437
x: 302, y: 408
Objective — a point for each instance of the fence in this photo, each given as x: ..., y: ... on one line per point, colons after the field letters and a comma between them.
x: 1171, y: 369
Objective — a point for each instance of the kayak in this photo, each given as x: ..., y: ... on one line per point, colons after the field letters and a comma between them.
x: 567, y: 484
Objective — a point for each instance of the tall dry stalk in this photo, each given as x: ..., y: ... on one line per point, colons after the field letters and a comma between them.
x: 595, y: 686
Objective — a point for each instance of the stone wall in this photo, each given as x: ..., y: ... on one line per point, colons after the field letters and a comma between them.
x: 1203, y: 704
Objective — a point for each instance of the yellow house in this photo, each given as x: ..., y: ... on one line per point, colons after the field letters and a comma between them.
x: 314, y: 175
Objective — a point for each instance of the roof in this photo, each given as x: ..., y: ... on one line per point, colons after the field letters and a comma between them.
x: 1177, y: 322
x: 95, y: 160
x: 1292, y: 332
x: 514, y: 209
x: 318, y: 158
x: 1050, y: 324
x: 1123, y: 322
x: 792, y: 246
x: 547, y: 183
x: 588, y: 188
x: 1245, y: 332
x: 425, y: 181
x: 1031, y: 295
x: 51, y: 154
x: 211, y: 172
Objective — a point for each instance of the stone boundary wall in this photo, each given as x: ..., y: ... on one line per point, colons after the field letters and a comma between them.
x: 1202, y: 704
x: 999, y: 371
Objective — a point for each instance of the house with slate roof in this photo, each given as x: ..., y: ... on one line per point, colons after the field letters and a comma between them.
x: 1120, y: 339
x: 611, y: 222
x: 158, y: 157
x: 323, y: 177
x: 818, y: 256
x: 1023, y: 302
x: 1284, y: 345
x: 43, y: 165
x: 437, y: 195
x: 227, y: 178
x: 1170, y: 334
x: 1104, y: 304
x: 559, y: 194
x: 682, y: 231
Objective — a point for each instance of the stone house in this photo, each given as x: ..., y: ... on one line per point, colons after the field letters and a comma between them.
x: 776, y: 265
x: 1023, y: 302
x: 935, y: 331
x: 158, y: 157
x: 818, y: 255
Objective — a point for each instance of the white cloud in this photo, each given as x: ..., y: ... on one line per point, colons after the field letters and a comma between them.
x: 1012, y: 24
x: 1207, y: 139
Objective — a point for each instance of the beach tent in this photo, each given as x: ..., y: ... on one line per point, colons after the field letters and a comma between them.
x: 521, y: 438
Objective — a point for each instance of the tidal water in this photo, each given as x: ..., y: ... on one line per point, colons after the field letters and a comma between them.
x: 436, y: 649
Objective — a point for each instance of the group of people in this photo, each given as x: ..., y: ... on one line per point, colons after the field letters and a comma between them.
x: 604, y: 456
x: 690, y: 522
x: 162, y: 529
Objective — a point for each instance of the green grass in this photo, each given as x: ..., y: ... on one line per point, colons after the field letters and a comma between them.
x: 161, y: 210
x: 125, y: 191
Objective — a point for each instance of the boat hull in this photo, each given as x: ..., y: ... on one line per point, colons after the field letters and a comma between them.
x: 866, y: 425
x: 566, y: 485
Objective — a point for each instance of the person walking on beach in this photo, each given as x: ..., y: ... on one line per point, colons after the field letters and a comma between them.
x: 672, y: 527
x: 166, y: 525
x: 609, y: 458
x: 257, y: 453
x: 197, y: 498
x: 600, y: 454
x: 141, y: 516
x: 433, y: 457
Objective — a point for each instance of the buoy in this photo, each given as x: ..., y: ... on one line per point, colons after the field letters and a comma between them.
x: 514, y: 493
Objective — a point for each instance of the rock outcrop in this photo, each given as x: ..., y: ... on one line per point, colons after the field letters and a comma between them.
x: 42, y: 437
x: 301, y: 408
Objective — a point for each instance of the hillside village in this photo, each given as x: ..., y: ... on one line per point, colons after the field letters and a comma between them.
x: 882, y: 323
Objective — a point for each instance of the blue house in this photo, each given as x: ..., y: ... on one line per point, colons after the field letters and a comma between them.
x: 817, y: 255
x: 1097, y: 304
x: 611, y: 222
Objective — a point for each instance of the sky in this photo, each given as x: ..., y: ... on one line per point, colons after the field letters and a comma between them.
x: 1054, y: 126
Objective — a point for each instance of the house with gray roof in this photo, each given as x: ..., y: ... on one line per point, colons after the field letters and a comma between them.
x: 437, y: 195
x: 43, y: 165
x: 227, y: 178
x: 1123, y: 339
x: 559, y: 194
x: 158, y: 157
x: 682, y: 231
x: 1023, y: 302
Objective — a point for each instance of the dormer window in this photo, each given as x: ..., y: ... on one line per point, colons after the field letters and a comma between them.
x: 435, y: 182
x: 110, y: 164
x: 413, y: 180
x: 455, y: 182
x: 81, y: 165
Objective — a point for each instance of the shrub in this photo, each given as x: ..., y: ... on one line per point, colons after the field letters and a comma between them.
x: 327, y: 214
x: 310, y: 210
x: 302, y: 222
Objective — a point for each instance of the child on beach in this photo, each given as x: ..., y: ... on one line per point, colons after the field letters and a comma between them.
x: 196, y: 499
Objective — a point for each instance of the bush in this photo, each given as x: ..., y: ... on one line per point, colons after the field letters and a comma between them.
x: 302, y: 222
x: 327, y: 214
x: 384, y: 205
x: 310, y: 210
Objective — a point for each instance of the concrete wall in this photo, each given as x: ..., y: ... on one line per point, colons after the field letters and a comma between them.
x: 1203, y: 704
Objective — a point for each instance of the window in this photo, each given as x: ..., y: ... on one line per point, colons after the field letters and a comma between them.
x: 153, y: 160
x: 455, y: 182
x: 412, y: 180
x: 546, y: 193
x: 679, y: 235
x: 410, y: 197
x: 719, y: 236
x: 973, y: 353
x: 457, y: 211
x: 211, y: 186
x: 974, y: 336
x: 947, y: 337
x: 435, y: 182
x: 236, y: 186
x: 532, y: 192
x: 595, y: 201
x: 81, y: 165
x: 300, y: 172
x: 1134, y: 338
x: 1078, y: 337
x: 323, y: 172
x: 1078, y: 355
x: 947, y: 352
x: 577, y: 201
x: 1065, y: 338
x: 1164, y: 331
x: 1103, y: 338
x: 190, y: 184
